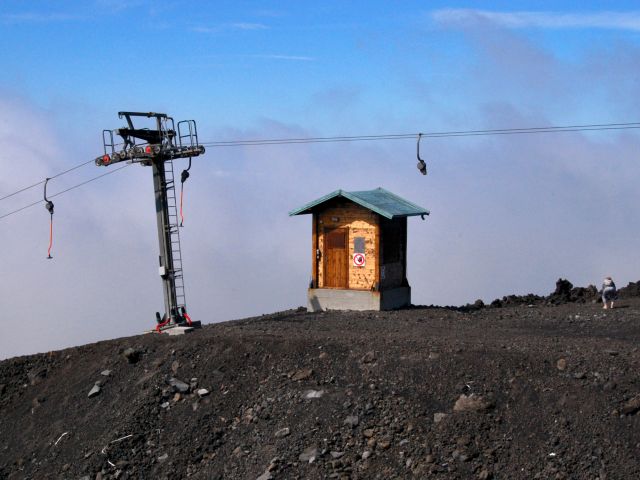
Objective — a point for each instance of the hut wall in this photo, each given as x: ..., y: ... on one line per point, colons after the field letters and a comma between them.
x: 360, y: 222
x: 393, y: 253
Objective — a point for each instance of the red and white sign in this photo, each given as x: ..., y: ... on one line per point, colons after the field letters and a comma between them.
x: 359, y: 260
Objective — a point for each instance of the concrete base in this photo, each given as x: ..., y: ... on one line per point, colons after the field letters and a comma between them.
x: 319, y: 299
x: 178, y: 329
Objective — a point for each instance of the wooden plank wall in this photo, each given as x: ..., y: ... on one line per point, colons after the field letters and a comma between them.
x: 361, y: 222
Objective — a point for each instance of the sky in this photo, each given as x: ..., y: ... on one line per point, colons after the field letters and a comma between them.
x: 509, y: 214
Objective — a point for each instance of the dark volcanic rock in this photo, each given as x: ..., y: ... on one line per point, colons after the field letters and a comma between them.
x: 630, y: 291
x: 472, y: 403
x: 632, y: 406
x: 549, y: 392
x: 131, y: 354
x: 564, y: 292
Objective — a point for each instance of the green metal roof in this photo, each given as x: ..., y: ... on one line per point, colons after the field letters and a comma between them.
x: 379, y: 200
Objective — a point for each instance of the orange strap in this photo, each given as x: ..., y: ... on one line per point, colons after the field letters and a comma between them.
x: 181, y: 194
x: 187, y: 318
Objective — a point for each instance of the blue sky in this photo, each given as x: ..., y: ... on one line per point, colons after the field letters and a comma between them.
x: 509, y: 215
x: 232, y: 62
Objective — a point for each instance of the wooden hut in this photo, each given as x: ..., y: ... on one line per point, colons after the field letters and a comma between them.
x: 359, y: 250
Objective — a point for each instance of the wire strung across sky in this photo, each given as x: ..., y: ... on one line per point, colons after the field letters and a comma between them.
x: 404, y: 136
x: 50, y: 178
x: 65, y: 190
x: 336, y: 139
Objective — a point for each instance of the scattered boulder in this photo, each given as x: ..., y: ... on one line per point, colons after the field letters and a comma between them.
x: 472, y: 403
x: 384, y: 444
x: 302, y: 374
x: 438, y: 417
x: 202, y: 392
x: 131, y: 354
x: 562, y: 293
x: 175, y: 365
x: 105, y: 373
x: 178, y: 385
x: 310, y: 454
x: 630, y: 291
x: 352, y: 421
x: 368, y: 357
x: 36, y: 376
x: 632, y: 406
x: 561, y: 364
x: 94, y: 391
x: 484, y: 474
x: 472, y: 307
x: 283, y: 432
x: 309, y: 394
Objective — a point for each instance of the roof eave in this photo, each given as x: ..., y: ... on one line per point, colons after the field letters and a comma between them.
x: 308, y: 208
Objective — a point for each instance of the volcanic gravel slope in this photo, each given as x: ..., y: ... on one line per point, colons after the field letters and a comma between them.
x: 507, y: 393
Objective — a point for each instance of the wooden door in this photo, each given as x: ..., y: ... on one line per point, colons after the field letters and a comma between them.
x: 336, y: 258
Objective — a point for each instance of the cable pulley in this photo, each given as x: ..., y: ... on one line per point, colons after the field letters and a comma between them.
x: 49, y: 206
x: 422, y: 166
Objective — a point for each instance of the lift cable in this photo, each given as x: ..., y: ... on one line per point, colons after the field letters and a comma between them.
x: 402, y: 136
x: 50, y: 178
x: 64, y: 191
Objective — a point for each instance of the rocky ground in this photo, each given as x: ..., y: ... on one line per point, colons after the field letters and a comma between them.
x: 530, y: 387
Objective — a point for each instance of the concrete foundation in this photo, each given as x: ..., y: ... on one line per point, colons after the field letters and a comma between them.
x: 319, y: 299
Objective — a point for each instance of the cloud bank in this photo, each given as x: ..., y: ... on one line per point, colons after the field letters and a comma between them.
x: 554, y: 20
x: 509, y: 215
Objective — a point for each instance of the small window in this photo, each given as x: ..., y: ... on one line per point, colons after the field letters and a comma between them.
x: 358, y: 245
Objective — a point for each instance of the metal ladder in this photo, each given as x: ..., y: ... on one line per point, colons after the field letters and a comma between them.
x: 174, y: 233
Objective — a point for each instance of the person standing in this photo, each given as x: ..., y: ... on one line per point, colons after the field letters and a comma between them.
x: 609, y: 292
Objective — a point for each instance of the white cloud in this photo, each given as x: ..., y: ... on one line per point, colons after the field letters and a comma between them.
x: 205, y: 29
x: 553, y: 20
x: 33, y: 17
x: 298, y: 58
x: 116, y: 6
x: 249, y: 26
x: 230, y: 26
x: 509, y: 214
